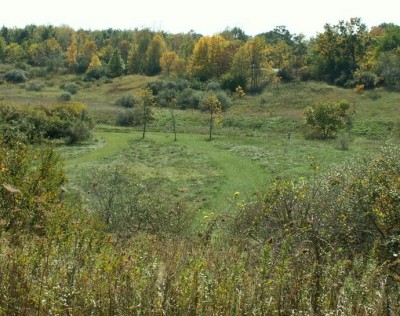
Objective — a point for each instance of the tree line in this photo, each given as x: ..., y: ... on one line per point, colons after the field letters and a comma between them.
x: 347, y: 54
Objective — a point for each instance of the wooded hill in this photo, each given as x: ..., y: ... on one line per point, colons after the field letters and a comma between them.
x: 347, y: 54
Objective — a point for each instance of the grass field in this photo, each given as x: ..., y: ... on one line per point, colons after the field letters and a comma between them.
x: 249, y: 150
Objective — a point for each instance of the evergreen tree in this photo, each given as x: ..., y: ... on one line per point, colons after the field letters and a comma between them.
x: 116, y: 65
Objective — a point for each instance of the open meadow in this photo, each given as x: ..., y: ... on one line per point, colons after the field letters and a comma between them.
x: 261, y: 138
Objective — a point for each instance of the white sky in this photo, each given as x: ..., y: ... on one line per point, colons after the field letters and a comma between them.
x: 206, y: 17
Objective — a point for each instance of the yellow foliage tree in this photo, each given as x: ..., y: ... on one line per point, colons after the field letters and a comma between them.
x: 72, y: 54
x: 211, y: 57
x: 95, y: 63
x: 172, y: 65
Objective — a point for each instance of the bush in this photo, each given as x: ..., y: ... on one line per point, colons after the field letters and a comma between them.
x: 72, y: 88
x: 35, y: 86
x: 79, y: 131
x: 155, y: 86
x: 95, y: 74
x: 128, y: 118
x: 343, y: 141
x: 165, y: 97
x: 230, y: 82
x: 213, y: 86
x: 106, y: 80
x: 366, y: 78
x: 189, y: 99
x: 128, y: 206
x: 69, y: 122
x: 326, y: 119
x: 65, y: 97
x: 126, y: 101
x: 16, y: 76
x: 222, y: 97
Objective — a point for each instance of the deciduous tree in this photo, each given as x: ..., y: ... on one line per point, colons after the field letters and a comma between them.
x: 327, y: 118
x: 147, y: 102
x: 156, y: 49
x: 213, y: 107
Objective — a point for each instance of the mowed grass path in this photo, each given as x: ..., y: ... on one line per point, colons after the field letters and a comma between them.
x: 235, y: 173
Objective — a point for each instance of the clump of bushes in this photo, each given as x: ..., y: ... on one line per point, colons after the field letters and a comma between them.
x: 72, y: 87
x: 126, y: 101
x: 35, y: 86
x: 187, y: 95
x: 16, y: 76
x: 66, y: 122
x: 65, y: 96
x: 128, y: 117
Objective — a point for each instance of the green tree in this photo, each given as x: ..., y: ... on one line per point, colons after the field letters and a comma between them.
x: 147, y: 101
x: 14, y: 53
x: 251, y: 61
x: 388, y: 67
x: 2, y: 49
x: 53, y: 52
x: 156, y: 49
x: 116, y: 65
x: 141, y: 44
x: 36, y: 54
x: 325, y: 119
x: 213, y: 107
x: 340, y: 50
x: 86, y: 51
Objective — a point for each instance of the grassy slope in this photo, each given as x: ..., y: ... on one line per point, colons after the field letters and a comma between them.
x: 250, y: 148
x: 194, y: 169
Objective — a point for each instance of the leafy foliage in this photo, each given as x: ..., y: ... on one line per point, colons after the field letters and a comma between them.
x: 305, y: 247
x: 126, y: 101
x: 212, y: 106
x: 116, y: 65
x: 16, y: 76
x: 325, y: 119
x: 68, y: 122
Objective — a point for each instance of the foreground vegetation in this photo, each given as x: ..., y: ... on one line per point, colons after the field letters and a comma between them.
x: 327, y: 245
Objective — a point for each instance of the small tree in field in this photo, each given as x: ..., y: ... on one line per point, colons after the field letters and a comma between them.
x: 147, y: 102
x: 213, y: 107
x: 325, y: 119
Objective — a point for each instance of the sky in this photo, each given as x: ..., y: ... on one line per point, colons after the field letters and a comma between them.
x: 206, y: 17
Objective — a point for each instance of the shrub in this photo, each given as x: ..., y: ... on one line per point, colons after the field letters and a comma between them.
x: 95, y: 74
x: 155, y: 86
x: 325, y: 119
x: 223, y: 98
x: 128, y: 205
x: 16, y: 76
x: 35, y: 86
x: 128, y: 117
x: 230, y: 82
x: 343, y: 141
x: 189, y: 99
x: 213, y: 86
x: 106, y: 80
x: 165, y: 97
x: 79, y: 131
x: 72, y: 88
x: 65, y: 97
x: 366, y: 78
x: 126, y: 101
